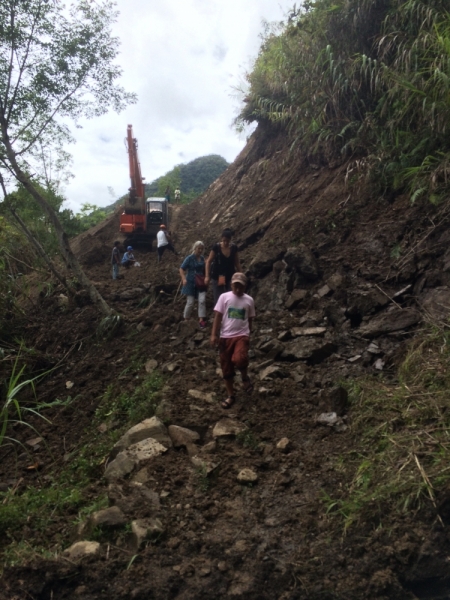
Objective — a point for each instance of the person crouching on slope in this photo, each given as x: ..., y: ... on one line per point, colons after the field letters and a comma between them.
x: 233, y: 321
x: 128, y: 258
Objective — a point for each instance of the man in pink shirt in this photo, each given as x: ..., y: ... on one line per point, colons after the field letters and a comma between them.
x: 234, y: 314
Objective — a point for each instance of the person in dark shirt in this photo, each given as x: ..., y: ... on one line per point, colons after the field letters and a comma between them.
x: 222, y: 263
x: 115, y: 260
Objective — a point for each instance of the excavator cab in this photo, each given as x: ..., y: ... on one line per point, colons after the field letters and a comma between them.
x: 157, y: 214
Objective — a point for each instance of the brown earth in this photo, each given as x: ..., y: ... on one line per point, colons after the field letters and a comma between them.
x: 299, y: 226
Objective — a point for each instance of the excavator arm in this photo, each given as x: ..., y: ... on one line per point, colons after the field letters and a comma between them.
x: 133, y: 218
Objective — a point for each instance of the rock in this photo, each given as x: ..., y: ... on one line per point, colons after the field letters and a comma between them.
x: 324, y: 291
x: 338, y: 400
x: 362, y: 302
x: 272, y: 347
x: 150, y: 428
x: 145, y: 449
x: 171, y: 367
x: 302, y: 261
x: 222, y: 566
x: 247, y: 476
x: 373, y: 348
x: 313, y: 350
x: 131, y: 294
x: 262, y: 265
x: 33, y: 442
x: 209, y: 448
x: 151, y: 365
x: 379, y: 364
x: 265, y: 363
x: 284, y: 445
x: 271, y: 371
x: 120, y: 467
x: 436, y: 303
x: 335, y: 281
x: 394, y: 320
x: 129, y: 459
x: 209, y: 397
x: 353, y: 359
x: 206, y: 467
x: 144, y: 529
x: 80, y: 550
x: 109, y: 517
x: 283, y: 336
x: 271, y: 292
x: 295, y: 298
x: 138, y: 533
x: 181, y: 436
x: 328, y: 419
x: 302, y: 331
x: 227, y: 427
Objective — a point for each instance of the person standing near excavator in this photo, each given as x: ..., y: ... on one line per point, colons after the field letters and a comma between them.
x: 115, y: 260
x: 164, y: 242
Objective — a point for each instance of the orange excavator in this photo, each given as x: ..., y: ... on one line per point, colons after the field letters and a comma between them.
x: 141, y: 218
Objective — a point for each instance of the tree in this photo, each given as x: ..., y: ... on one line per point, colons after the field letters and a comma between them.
x: 55, y: 64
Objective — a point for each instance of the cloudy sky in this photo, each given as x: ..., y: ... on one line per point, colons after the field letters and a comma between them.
x: 182, y: 58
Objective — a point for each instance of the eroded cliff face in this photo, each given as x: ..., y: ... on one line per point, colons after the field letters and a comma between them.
x: 342, y: 281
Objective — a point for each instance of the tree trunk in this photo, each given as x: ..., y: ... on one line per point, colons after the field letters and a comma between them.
x: 66, y: 251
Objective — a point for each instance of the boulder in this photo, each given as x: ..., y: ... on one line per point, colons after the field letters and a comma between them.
x: 362, y: 302
x: 295, y: 298
x: 209, y: 397
x: 150, y: 428
x: 80, y: 550
x: 181, y: 436
x: 144, y: 529
x: 108, y: 517
x: 313, y: 350
x: 262, y: 265
x: 271, y: 291
x: 301, y: 260
x: 120, y: 467
x: 228, y: 427
x: 129, y: 459
x: 387, y: 322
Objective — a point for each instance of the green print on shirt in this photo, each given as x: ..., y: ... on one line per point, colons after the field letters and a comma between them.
x: 236, y: 313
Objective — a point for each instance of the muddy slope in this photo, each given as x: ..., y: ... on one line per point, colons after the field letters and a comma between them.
x: 342, y: 280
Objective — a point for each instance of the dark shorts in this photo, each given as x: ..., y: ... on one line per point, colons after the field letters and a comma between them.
x: 233, y: 354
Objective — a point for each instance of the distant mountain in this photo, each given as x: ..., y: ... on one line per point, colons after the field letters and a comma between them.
x: 192, y: 178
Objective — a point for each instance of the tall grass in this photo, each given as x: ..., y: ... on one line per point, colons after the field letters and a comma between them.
x: 365, y: 79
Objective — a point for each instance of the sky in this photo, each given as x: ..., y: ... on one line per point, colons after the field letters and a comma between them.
x: 183, y: 58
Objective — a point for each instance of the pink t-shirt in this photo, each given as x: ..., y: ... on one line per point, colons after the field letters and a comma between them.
x: 235, y: 311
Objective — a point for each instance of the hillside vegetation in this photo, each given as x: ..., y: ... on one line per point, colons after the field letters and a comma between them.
x: 366, y: 79
x: 193, y: 178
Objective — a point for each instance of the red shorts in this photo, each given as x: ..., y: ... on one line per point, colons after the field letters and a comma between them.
x: 233, y: 354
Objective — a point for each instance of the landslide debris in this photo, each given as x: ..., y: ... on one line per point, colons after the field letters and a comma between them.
x: 249, y: 502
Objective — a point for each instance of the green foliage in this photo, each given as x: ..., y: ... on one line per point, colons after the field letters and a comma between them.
x: 369, y: 79
x: 131, y: 407
x: 402, y: 460
x: 192, y: 178
x: 12, y: 409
